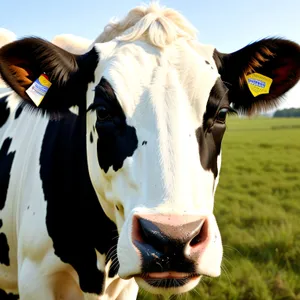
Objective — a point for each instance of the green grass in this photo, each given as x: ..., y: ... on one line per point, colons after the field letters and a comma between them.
x: 257, y: 207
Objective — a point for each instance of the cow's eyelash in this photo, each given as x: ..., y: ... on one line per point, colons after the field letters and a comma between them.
x: 102, y: 93
x: 231, y: 111
x: 93, y: 107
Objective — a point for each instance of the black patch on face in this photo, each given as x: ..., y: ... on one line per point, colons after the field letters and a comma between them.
x: 115, y: 145
x: 18, y: 111
x: 4, y: 250
x: 6, y: 160
x: 117, y: 140
x: 9, y: 296
x: 210, y: 134
x: 91, y: 138
x: 75, y: 219
x: 4, y: 111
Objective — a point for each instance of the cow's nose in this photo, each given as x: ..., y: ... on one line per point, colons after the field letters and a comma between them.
x: 170, y: 242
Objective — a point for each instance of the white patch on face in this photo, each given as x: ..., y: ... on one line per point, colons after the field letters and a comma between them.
x: 74, y: 109
x: 100, y: 261
x: 219, y: 163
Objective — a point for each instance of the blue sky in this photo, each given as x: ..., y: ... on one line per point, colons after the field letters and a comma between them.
x: 227, y: 24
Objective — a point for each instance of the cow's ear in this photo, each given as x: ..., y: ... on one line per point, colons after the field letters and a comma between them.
x: 24, y: 61
x: 260, y: 73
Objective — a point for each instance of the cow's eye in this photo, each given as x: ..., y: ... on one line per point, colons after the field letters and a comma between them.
x: 221, y: 115
x: 102, y: 114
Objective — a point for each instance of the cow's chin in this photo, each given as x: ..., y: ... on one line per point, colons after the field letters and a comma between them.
x: 167, y: 283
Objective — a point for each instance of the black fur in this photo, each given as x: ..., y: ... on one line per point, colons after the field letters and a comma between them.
x: 4, y: 250
x: 18, y: 112
x: 117, y: 140
x: 9, y: 296
x: 6, y: 161
x: 4, y: 111
x: 210, y: 134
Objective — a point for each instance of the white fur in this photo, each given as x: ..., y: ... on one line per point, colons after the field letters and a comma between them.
x: 160, y: 26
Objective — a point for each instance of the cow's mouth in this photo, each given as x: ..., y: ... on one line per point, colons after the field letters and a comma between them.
x: 173, y: 282
x: 167, y: 279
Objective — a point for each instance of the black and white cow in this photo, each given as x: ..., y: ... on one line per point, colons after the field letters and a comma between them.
x: 119, y: 195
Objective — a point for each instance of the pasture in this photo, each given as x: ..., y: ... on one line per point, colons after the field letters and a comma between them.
x: 258, y: 211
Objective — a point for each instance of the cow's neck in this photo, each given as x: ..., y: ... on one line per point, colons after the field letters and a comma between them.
x: 75, y: 220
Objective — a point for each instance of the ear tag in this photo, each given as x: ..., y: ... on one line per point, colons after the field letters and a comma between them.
x: 38, y: 89
x: 258, y: 84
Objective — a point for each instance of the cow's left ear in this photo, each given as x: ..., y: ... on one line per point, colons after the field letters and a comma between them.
x: 260, y: 73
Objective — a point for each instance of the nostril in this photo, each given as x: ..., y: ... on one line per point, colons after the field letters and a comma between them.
x: 151, y: 234
x: 147, y: 233
x: 201, y: 235
x: 145, y: 229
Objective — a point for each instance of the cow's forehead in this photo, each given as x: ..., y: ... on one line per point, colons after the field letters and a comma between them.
x: 136, y: 68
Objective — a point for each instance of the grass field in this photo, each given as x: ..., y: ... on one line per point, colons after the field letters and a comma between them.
x: 258, y: 211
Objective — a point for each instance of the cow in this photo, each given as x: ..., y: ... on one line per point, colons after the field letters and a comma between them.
x: 120, y: 195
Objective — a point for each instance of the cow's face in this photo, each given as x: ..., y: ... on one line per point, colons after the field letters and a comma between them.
x: 154, y: 131
x: 153, y: 122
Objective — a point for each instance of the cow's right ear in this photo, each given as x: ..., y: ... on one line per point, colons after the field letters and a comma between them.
x: 25, y: 60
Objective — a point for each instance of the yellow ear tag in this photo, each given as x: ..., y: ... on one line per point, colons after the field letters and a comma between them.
x: 258, y: 84
x: 38, y: 89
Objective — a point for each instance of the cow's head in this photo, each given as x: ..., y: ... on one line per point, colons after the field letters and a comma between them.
x: 154, y: 103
